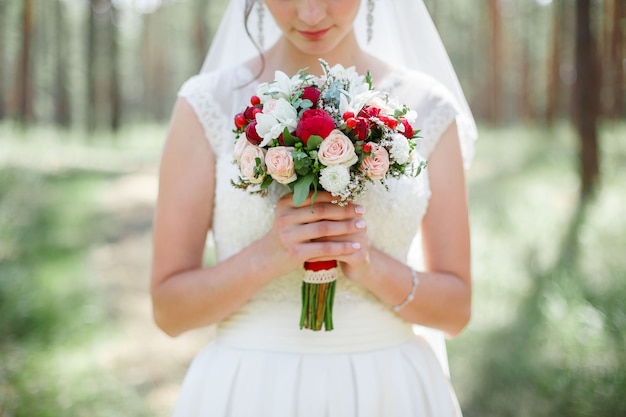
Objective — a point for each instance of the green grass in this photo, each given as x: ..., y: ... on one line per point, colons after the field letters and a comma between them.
x: 546, y: 336
x: 51, y: 314
x: 547, y: 333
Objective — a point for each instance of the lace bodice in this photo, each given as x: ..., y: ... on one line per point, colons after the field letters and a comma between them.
x: 239, y: 218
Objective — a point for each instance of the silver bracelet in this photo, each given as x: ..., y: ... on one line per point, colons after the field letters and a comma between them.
x: 411, y: 295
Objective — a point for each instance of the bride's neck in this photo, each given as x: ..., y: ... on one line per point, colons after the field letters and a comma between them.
x: 284, y: 56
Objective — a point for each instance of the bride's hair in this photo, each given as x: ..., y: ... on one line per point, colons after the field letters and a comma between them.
x: 246, y: 16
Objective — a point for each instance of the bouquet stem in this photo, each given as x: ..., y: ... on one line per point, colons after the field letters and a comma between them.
x: 318, y: 295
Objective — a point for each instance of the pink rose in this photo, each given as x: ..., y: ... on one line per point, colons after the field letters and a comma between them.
x: 314, y: 122
x: 376, y: 165
x: 240, y: 145
x: 337, y: 149
x: 279, y: 164
x: 248, y: 164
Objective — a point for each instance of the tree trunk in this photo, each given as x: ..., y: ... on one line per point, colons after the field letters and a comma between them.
x: 3, y: 35
x: 587, y: 98
x: 524, y: 104
x: 24, y: 91
x: 568, y: 59
x: 618, y: 34
x: 554, y: 63
x: 494, y: 89
x: 155, y: 62
x: 200, y: 30
x: 114, y: 82
x: 61, y: 97
x: 91, y: 66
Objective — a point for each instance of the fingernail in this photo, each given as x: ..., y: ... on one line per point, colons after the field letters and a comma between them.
x: 356, y: 245
x: 360, y: 224
x: 359, y: 209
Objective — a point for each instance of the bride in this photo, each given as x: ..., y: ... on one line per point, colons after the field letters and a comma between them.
x: 404, y: 252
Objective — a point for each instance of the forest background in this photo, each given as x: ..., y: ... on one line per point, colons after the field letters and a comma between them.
x: 86, y: 88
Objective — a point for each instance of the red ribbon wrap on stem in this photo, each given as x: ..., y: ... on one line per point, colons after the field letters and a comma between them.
x: 318, y: 295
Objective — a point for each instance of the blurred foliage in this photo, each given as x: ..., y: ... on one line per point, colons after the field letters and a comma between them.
x: 131, y: 57
x: 547, y: 335
x: 50, y: 312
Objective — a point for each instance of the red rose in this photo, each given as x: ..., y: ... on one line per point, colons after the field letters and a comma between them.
x: 311, y: 93
x: 252, y: 135
x: 362, y: 128
x: 369, y: 112
x: 314, y: 122
x: 408, y: 129
x: 390, y: 122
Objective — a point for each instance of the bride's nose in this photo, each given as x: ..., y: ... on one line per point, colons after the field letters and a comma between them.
x: 311, y: 12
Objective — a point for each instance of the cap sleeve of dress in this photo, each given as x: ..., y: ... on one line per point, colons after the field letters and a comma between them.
x: 439, y: 110
x: 198, y: 91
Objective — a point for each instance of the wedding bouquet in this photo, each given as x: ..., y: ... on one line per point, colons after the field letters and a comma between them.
x: 335, y: 133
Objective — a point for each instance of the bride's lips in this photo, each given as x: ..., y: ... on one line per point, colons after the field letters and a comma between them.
x: 314, y: 35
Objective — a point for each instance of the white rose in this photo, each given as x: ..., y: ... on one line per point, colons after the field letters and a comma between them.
x: 360, y: 100
x: 380, y: 102
x: 248, y: 163
x: 337, y: 149
x: 411, y: 116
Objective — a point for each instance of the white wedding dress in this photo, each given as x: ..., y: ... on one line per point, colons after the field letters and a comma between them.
x: 261, y: 364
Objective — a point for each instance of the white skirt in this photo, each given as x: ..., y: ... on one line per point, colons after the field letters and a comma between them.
x: 371, y: 365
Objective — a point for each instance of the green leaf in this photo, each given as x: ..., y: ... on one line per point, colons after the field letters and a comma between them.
x: 306, y: 104
x: 314, y: 142
x: 301, y: 189
x: 259, y: 169
x: 266, y: 182
x: 368, y: 80
x: 302, y: 162
x: 288, y: 138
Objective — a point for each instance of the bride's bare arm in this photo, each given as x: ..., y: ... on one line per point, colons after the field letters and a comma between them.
x: 181, y: 292
x: 186, y: 295
x: 443, y: 296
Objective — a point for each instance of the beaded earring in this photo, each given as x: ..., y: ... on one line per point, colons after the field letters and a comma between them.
x: 260, y: 10
x: 370, y: 20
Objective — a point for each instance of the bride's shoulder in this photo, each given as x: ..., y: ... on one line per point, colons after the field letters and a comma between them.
x: 419, y: 91
x: 419, y: 86
x: 215, y: 83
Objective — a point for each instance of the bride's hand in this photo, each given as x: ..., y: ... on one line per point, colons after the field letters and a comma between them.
x: 322, y: 231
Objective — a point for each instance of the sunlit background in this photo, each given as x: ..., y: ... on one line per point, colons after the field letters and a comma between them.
x: 86, y: 88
